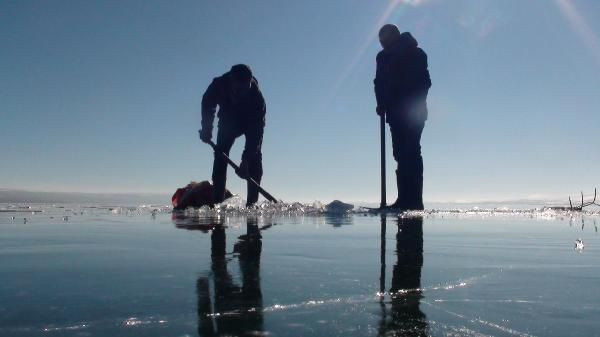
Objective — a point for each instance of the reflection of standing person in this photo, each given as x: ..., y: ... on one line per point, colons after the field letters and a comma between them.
x: 242, y: 111
x: 239, y: 309
x: 401, y: 85
x: 407, y: 319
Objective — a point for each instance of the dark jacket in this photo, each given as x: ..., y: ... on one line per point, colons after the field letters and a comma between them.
x: 247, y: 110
x: 402, y: 80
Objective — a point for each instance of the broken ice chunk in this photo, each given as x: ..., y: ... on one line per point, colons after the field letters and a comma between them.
x: 579, y: 244
x: 337, y: 206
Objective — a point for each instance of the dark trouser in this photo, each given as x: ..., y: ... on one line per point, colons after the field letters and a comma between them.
x: 251, y: 157
x: 406, y: 143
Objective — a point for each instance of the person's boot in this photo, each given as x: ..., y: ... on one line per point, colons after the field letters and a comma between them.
x: 218, y: 190
x: 396, y: 205
x: 419, y: 193
x: 400, y: 202
x: 243, y: 171
x: 255, y: 172
x: 252, y: 193
x: 414, y: 184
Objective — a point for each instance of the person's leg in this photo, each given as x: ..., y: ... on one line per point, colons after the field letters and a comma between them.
x: 225, y: 138
x: 414, y: 166
x: 406, y: 144
x: 397, y: 133
x: 252, y: 159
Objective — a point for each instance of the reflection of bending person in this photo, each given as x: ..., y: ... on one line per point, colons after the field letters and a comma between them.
x: 407, y: 319
x: 237, y: 310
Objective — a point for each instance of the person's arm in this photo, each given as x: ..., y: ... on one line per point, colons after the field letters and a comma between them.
x: 261, y: 107
x: 257, y: 107
x: 379, y: 84
x: 423, y: 79
x: 209, y: 108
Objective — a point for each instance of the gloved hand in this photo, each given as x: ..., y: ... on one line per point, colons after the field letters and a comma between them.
x: 243, y: 171
x: 205, y: 135
x: 380, y: 110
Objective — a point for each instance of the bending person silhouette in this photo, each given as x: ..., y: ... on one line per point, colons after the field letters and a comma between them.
x: 238, y: 310
x: 401, y: 85
x: 242, y: 111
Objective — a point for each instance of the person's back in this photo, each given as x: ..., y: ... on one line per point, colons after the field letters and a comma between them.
x: 247, y: 109
x: 402, y: 79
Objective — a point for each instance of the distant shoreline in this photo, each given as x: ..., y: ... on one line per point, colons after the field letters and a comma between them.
x: 20, y: 196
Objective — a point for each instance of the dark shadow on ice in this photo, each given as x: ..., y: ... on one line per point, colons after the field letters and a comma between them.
x: 404, y: 317
x: 234, y: 310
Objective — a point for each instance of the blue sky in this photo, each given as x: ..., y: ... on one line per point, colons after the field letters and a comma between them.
x: 105, y: 96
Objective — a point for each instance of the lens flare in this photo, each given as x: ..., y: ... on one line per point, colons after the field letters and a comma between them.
x: 580, y: 26
x: 389, y: 10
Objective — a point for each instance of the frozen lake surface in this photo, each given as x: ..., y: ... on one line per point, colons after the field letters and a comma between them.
x: 97, y: 270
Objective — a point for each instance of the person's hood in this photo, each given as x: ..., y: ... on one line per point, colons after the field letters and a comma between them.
x: 254, y: 84
x: 253, y: 81
x: 405, y: 42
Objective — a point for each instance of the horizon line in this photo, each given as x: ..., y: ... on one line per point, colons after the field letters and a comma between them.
x: 526, y: 199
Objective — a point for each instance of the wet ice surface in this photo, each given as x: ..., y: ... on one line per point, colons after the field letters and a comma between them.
x: 291, y: 270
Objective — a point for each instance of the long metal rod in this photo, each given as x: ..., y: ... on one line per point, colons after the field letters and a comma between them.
x: 382, y: 136
x: 236, y: 167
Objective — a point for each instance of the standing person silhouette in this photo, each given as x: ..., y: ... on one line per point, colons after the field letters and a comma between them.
x: 242, y: 111
x: 401, y: 85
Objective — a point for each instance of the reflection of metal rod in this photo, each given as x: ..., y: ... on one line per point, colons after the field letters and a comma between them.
x: 382, y: 272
